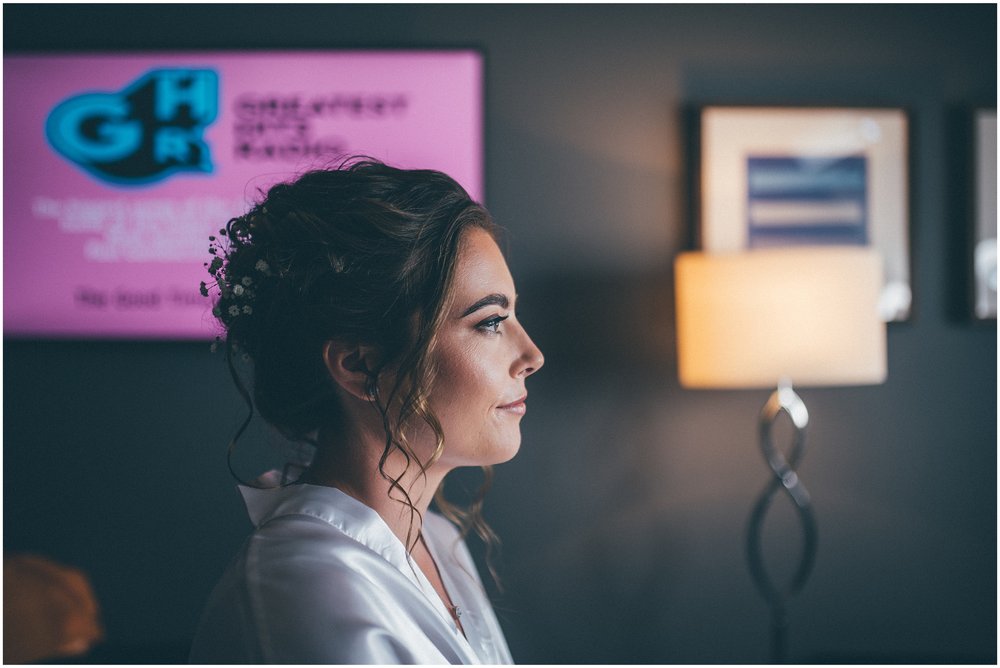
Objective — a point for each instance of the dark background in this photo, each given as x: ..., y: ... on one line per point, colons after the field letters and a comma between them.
x: 623, y: 516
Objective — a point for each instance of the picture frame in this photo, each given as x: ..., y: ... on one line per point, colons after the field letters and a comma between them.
x: 984, y: 253
x: 785, y: 176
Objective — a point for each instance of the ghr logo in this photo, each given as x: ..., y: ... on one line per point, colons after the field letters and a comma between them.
x: 145, y: 133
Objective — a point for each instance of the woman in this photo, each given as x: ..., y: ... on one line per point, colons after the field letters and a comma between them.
x: 377, y: 313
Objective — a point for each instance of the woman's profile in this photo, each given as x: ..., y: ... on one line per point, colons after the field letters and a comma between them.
x: 377, y: 315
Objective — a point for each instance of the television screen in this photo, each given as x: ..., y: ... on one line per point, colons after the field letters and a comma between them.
x: 118, y: 167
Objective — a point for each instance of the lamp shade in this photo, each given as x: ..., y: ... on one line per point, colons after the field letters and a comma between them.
x: 805, y: 314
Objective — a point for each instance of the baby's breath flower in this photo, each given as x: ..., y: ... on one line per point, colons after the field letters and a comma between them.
x: 229, y: 286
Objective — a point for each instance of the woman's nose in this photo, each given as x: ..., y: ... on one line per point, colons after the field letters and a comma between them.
x: 531, y: 358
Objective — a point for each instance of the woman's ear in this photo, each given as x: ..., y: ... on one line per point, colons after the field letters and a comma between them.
x: 350, y: 366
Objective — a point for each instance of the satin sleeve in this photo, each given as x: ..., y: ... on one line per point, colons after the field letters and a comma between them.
x: 320, y: 598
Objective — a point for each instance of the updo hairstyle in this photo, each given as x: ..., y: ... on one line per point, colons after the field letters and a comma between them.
x: 361, y: 254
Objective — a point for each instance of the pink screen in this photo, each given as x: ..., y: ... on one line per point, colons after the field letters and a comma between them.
x: 117, y: 168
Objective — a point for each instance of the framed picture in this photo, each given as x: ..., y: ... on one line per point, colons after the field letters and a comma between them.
x: 985, y: 249
x: 783, y: 176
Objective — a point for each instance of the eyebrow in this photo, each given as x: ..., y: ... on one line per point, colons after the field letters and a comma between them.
x: 496, y: 298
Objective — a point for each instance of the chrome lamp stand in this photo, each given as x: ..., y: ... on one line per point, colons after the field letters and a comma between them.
x: 784, y: 399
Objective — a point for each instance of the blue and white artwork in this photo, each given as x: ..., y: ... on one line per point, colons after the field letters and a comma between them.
x: 807, y: 201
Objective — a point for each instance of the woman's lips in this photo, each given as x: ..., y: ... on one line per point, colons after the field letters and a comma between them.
x: 517, y: 407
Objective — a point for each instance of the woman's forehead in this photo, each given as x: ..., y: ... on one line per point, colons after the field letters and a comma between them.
x: 481, y: 267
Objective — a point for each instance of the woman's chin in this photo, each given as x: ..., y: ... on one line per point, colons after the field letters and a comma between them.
x: 506, y: 453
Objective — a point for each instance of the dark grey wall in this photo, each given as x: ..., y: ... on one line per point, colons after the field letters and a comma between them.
x: 623, y: 516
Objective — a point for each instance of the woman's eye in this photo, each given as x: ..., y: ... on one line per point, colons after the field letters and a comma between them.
x: 492, y: 324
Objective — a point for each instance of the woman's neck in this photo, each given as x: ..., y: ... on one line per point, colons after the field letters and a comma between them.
x: 355, y: 471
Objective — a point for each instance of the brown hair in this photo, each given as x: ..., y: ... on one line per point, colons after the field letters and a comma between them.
x: 363, y: 253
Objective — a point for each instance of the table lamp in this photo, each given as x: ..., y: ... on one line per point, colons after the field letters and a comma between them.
x: 763, y: 319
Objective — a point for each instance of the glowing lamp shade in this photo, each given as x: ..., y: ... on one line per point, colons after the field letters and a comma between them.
x: 808, y: 315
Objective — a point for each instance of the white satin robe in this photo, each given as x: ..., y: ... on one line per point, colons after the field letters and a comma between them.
x: 323, y: 580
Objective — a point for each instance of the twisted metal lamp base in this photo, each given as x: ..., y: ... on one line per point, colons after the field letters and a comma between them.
x: 784, y: 399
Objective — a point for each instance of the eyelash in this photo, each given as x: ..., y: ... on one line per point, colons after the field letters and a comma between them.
x: 492, y: 325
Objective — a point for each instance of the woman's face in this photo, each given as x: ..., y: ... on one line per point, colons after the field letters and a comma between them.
x: 482, y: 358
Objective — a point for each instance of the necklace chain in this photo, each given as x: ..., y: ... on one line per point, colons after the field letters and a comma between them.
x: 453, y: 610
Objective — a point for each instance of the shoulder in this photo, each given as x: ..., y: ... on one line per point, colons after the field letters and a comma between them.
x: 305, y: 559
x: 301, y: 591
x: 304, y: 527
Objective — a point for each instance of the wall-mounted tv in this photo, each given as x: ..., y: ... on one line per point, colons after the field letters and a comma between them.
x: 118, y: 167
